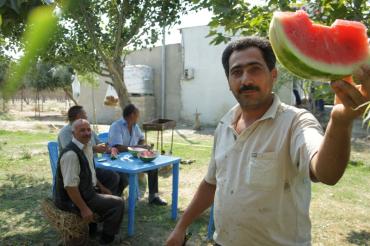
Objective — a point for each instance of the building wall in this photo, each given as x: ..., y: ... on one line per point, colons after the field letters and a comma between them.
x: 92, y: 99
x: 152, y: 58
x: 204, y: 89
x: 207, y: 92
x: 150, y: 106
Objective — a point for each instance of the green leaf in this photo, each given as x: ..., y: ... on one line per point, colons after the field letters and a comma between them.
x: 41, y: 26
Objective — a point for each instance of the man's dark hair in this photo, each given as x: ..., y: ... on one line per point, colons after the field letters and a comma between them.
x: 129, y: 109
x: 73, y: 112
x: 245, y: 43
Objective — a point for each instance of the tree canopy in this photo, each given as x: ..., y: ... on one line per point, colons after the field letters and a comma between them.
x: 244, y: 18
x: 95, y: 35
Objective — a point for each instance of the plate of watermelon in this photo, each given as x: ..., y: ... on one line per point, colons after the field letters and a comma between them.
x: 134, y: 151
x: 147, y: 155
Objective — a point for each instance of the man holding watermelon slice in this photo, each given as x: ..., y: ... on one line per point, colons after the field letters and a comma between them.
x: 266, y: 154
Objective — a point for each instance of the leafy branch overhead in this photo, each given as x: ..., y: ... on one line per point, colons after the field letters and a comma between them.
x: 241, y: 17
x: 95, y: 35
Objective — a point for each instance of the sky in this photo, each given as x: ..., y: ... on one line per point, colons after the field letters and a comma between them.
x: 200, y: 18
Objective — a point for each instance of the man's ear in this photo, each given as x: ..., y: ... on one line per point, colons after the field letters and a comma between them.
x: 274, y: 74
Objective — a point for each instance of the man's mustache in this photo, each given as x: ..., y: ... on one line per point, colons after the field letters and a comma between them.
x: 248, y: 88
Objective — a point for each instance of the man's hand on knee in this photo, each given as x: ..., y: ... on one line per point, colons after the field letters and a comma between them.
x: 87, y: 215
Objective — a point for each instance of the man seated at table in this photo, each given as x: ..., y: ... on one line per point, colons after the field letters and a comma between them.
x: 79, y: 190
x: 110, y: 179
x: 125, y: 133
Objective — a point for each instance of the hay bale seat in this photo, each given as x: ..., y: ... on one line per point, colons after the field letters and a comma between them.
x: 72, y: 229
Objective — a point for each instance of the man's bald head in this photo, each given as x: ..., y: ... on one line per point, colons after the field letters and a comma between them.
x: 81, y: 130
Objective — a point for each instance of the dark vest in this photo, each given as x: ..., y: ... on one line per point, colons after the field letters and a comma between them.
x: 87, y: 191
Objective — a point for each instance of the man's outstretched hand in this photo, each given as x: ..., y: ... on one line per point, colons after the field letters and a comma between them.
x: 350, y: 96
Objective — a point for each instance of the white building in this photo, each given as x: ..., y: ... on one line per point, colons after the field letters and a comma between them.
x: 195, y: 81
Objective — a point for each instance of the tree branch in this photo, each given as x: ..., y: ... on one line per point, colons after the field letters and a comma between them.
x: 121, y: 22
x: 95, y: 41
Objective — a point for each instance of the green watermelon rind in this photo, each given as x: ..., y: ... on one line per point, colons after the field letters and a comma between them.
x: 301, y: 65
x: 297, y: 66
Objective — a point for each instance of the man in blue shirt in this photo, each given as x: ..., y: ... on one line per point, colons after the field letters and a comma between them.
x: 125, y: 133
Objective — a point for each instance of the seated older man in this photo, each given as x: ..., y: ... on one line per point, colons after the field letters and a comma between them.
x: 78, y: 189
x: 108, y: 178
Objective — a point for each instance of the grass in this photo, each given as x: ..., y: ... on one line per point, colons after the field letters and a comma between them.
x: 340, y: 214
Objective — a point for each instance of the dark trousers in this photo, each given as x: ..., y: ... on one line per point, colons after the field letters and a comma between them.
x: 152, y: 182
x: 109, y: 179
x: 110, y: 210
x: 123, y: 183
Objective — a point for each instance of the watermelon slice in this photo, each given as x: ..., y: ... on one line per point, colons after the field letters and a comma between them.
x: 318, y: 52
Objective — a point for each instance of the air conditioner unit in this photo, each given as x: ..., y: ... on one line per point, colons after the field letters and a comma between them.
x: 188, y: 73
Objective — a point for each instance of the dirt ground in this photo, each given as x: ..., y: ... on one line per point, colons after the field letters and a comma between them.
x: 54, y: 117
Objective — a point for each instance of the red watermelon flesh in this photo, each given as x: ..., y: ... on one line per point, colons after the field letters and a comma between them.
x: 328, y: 44
x: 315, y: 51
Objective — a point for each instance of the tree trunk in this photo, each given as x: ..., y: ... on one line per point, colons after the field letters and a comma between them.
x: 5, y: 105
x: 121, y: 89
x: 22, y: 97
x: 70, y: 95
x: 38, y: 103
x: 116, y: 73
x: 35, y: 104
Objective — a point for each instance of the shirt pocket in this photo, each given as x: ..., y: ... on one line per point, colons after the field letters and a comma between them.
x: 263, y: 171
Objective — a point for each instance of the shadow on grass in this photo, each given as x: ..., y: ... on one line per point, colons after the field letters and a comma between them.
x: 359, y: 237
x: 23, y: 224
x: 20, y: 211
x: 360, y: 147
x: 185, y: 138
x: 153, y: 225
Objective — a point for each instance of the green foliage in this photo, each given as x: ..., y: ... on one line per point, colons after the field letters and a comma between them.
x: 4, y: 65
x: 356, y: 163
x: 89, y: 78
x: 90, y: 35
x: 14, y: 14
x: 62, y: 77
x: 324, y: 91
x: 39, y: 76
x: 96, y: 32
x: 40, y: 28
x: 241, y: 17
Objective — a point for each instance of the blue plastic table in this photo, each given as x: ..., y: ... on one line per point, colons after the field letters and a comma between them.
x: 125, y: 163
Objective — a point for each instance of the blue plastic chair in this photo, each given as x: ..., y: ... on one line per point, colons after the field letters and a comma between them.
x: 211, y: 225
x: 103, y: 137
x: 53, y: 155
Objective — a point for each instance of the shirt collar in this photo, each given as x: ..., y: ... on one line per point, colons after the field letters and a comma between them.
x: 79, y: 144
x: 270, y: 113
x: 124, y: 122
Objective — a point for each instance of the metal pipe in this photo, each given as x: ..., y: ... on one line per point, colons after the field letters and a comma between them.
x: 163, y: 74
